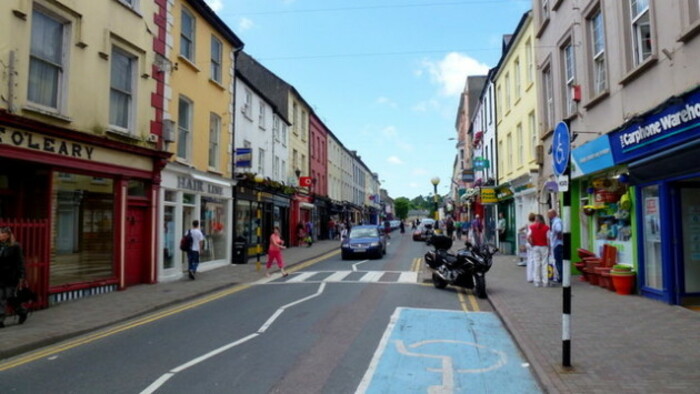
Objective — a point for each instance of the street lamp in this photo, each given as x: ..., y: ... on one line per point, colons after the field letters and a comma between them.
x: 258, y: 215
x: 435, y: 181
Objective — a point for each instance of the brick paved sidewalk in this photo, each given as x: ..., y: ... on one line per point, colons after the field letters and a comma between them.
x: 620, y: 344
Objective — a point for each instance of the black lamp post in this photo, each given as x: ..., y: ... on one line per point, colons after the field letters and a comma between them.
x: 435, y: 181
x: 258, y: 215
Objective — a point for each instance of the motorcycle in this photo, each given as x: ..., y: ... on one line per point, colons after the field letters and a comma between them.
x: 467, y: 268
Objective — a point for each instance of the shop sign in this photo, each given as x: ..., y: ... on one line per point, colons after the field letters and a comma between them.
x: 504, y: 193
x: 195, y: 185
x: 675, y: 124
x: 28, y: 140
x: 592, y: 156
x: 488, y: 195
x: 481, y: 163
x: 467, y: 176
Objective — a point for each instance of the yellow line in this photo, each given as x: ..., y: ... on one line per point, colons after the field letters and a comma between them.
x: 51, y: 350
x: 472, y: 300
x: 462, y: 301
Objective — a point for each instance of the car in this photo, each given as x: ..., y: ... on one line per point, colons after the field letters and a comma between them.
x: 424, y: 230
x: 366, y: 240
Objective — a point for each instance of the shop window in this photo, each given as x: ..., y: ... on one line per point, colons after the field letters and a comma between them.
x: 169, y: 237
x: 170, y: 196
x: 212, y: 221
x: 244, y: 216
x: 83, y: 229
x: 610, y: 209
x: 136, y: 188
x: 651, y: 217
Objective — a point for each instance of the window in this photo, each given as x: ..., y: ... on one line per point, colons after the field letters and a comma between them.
x: 247, y: 108
x: 283, y: 134
x: 276, y: 168
x: 304, y: 122
x: 261, y: 161
x: 122, y: 82
x: 544, y: 9
x: 520, y: 142
x: 261, y: 115
x: 133, y: 4
x: 499, y: 102
x: 216, y: 53
x: 516, y: 79
x: 533, y: 133
x: 214, y: 137
x: 641, y: 30
x: 548, y: 98
x: 184, y: 127
x: 569, y: 76
x: 46, y: 60
x: 509, y: 152
x: 275, y: 128
x: 295, y: 118
x: 187, y: 34
x: 597, y: 38
x: 507, y: 88
x: 295, y: 160
x: 528, y: 59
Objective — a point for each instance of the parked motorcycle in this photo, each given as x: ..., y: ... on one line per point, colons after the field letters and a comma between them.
x: 467, y: 268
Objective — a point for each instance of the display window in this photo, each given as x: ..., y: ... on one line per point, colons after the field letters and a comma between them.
x: 212, y: 221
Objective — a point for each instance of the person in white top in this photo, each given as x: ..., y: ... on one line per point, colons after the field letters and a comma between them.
x: 195, y: 248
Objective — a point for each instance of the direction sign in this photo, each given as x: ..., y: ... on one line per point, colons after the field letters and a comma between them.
x: 561, y: 148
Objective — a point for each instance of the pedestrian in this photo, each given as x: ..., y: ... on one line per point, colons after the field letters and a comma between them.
x: 540, y: 249
x: 274, y: 253
x: 387, y: 228
x: 309, y: 233
x: 458, y: 229
x: 402, y: 227
x: 529, y: 260
x: 301, y: 234
x: 450, y: 227
x: 331, y: 229
x: 501, y: 227
x: 477, y: 228
x: 344, y: 232
x: 197, y: 245
x: 11, y: 274
x: 556, y: 242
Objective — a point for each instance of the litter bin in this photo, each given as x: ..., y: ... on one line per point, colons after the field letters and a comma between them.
x: 240, y: 251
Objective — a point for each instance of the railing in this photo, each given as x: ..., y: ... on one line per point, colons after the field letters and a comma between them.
x: 33, y: 236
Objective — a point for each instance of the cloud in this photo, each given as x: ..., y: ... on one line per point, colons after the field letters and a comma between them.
x: 387, y: 101
x: 216, y: 5
x: 427, y: 105
x: 245, y: 24
x: 420, y: 171
x: 390, y: 132
x: 394, y: 160
x: 413, y: 185
x: 451, y: 72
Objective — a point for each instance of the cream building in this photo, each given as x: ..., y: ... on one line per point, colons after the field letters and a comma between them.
x: 198, y: 131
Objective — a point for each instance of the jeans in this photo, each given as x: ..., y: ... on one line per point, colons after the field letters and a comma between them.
x: 193, y: 260
x: 558, y: 261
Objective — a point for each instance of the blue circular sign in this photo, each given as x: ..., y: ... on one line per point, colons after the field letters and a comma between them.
x: 561, y: 148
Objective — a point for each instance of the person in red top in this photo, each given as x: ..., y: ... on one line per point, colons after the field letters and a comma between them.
x: 540, y: 250
x: 274, y: 253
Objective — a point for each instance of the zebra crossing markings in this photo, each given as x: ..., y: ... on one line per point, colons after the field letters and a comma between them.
x: 344, y: 277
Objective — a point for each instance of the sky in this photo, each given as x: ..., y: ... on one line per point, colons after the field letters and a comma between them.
x: 384, y: 75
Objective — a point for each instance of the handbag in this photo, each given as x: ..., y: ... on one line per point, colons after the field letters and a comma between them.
x: 23, y: 295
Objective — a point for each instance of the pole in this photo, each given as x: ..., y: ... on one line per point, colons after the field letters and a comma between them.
x: 258, y: 249
x: 435, y: 199
x: 566, y: 275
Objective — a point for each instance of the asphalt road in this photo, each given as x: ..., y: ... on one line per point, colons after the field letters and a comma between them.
x: 333, y: 327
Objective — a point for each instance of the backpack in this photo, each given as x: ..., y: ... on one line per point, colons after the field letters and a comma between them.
x: 186, y: 242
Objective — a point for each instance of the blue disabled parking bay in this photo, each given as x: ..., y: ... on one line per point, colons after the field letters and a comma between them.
x: 440, y: 351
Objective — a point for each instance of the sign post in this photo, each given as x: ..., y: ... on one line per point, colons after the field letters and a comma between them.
x: 561, y: 153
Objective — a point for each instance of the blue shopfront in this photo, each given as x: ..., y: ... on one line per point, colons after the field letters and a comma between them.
x: 661, y: 150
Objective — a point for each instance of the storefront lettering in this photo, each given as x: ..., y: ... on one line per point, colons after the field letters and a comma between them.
x: 198, y: 186
x: 689, y: 113
x: 25, y: 139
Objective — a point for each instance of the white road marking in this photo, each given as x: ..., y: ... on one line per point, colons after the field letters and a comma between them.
x: 372, y: 276
x: 367, y: 379
x: 165, y: 377
x: 408, y: 277
x: 354, y: 266
x: 338, y: 276
x: 301, y: 277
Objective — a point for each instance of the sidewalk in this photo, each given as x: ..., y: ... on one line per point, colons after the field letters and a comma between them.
x: 71, y: 319
x: 620, y: 344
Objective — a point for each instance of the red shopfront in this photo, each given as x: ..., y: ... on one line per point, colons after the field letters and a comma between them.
x: 302, y: 211
x: 82, y: 206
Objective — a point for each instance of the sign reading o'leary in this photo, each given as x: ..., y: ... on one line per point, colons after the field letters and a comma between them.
x: 29, y: 140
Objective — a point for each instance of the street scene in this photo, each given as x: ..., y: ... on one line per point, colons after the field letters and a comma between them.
x: 316, y: 196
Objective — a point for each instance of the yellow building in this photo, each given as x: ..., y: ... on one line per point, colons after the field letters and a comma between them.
x: 79, y: 142
x: 517, y: 138
x: 198, y: 131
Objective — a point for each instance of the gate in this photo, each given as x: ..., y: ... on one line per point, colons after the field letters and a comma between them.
x: 33, y: 236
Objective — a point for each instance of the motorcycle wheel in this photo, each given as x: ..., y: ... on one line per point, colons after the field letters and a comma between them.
x: 480, y: 286
x: 438, y: 282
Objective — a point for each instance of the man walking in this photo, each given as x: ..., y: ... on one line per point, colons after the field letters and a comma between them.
x: 556, y: 242
x: 501, y: 227
x: 197, y: 245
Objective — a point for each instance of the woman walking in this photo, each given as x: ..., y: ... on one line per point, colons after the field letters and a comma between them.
x: 540, y: 251
x: 11, y: 273
x: 274, y: 253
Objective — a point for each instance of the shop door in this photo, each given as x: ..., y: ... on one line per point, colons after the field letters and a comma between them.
x: 135, y: 245
x: 689, y: 261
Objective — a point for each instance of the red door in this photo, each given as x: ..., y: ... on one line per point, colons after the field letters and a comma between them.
x: 135, y: 248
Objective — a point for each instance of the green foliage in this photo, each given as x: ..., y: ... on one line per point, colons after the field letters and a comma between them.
x: 402, y: 206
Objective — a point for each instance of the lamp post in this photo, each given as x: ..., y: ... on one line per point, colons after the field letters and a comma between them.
x: 258, y: 216
x: 435, y: 181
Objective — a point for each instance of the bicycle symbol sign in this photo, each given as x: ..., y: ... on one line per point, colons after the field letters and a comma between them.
x: 561, y: 148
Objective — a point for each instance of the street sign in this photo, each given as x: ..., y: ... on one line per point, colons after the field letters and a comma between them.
x: 563, y: 183
x: 561, y: 148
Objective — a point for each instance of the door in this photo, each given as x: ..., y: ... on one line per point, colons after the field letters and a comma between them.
x: 136, y: 249
x: 689, y: 263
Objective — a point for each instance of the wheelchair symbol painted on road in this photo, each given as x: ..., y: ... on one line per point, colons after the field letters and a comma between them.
x: 448, y: 368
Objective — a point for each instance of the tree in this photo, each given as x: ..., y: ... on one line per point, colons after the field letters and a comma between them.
x: 401, y: 206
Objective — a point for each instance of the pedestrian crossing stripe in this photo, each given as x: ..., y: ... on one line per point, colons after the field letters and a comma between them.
x: 343, y: 277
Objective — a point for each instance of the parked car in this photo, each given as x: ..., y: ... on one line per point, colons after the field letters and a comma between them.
x: 424, y: 230
x: 364, y: 240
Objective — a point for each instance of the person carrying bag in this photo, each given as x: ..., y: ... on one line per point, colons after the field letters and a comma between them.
x: 11, y: 276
